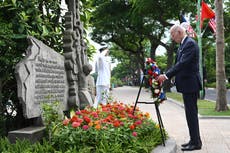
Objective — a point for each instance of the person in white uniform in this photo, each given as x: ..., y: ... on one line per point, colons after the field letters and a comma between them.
x: 104, y: 74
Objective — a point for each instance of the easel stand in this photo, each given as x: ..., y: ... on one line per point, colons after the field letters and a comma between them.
x: 163, y: 136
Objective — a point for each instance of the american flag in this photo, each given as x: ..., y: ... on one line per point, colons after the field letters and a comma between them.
x: 191, y: 32
x: 189, y: 29
x: 212, y: 25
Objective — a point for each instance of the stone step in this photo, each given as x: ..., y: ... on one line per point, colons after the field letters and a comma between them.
x: 32, y: 133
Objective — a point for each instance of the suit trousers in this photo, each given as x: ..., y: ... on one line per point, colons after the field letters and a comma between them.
x: 191, y: 112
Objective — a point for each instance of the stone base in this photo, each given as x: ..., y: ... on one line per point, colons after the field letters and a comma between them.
x: 32, y: 133
x: 170, y: 147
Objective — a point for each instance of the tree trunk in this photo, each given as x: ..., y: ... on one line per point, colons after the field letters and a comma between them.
x: 221, y: 101
x: 153, y: 50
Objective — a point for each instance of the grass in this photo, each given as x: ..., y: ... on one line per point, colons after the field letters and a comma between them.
x: 205, y: 107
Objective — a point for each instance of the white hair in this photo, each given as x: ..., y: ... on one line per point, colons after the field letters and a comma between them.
x: 185, y: 25
x: 178, y: 27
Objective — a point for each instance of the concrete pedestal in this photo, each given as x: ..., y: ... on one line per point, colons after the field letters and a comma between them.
x: 32, y: 133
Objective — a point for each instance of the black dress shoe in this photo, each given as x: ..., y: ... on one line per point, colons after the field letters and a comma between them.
x: 186, y: 144
x: 191, y: 147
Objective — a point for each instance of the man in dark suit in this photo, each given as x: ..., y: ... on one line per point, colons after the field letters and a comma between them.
x: 188, y: 82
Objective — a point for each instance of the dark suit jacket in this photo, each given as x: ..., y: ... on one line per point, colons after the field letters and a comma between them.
x: 186, y: 68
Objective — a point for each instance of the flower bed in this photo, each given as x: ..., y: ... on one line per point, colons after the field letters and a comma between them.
x: 110, y: 128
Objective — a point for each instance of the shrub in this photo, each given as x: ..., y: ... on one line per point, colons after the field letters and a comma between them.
x: 110, y: 128
x: 2, y: 125
x: 25, y: 146
x: 115, y: 82
x: 213, y: 85
x: 228, y: 85
x: 51, y: 116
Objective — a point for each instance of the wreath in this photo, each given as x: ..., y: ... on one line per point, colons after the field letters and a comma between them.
x: 152, y: 71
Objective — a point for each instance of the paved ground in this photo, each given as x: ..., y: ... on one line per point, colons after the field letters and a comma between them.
x: 215, y: 133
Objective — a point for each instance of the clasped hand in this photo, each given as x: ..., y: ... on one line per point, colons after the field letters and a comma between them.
x: 161, y: 78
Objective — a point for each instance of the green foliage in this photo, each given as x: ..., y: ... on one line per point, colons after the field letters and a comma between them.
x: 209, y: 55
x: 228, y: 85
x: 205, y: 107
x: 18, y: 19
x: 2, y: 125
x: 24, y: 146
x: 108, y: 129
x: 116, y: 82
x: 122, y: 70
x: 111, y: 23
x: 134, y: 26
x: 51, y: 116
x: 213, y: 85
x: 29, y: 18
x: 161, y: 62
x: 113, y: 135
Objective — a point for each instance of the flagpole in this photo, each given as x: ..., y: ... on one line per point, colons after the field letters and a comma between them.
x: 200, y: 47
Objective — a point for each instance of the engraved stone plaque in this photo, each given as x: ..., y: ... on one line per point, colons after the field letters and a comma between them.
x: 41, y: 77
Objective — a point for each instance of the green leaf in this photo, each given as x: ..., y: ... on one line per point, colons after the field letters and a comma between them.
x: 13, y: 2
x: 18, y: 36
x: 45, y: 31
x: 23, y: 16
x: 21, y: 28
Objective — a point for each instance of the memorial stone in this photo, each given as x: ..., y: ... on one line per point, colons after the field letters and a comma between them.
x: 41, y: 77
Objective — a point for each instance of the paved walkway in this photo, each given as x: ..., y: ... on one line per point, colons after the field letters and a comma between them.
x: 215, y: 133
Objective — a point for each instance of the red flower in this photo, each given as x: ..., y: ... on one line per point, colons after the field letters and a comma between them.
x: 134, y: 134
x: 84, y: 111
x: 138, y: 122
x: 65, y: 122
x: 116, y: 123
x: 109, y: 118
x: 78, y: 112
x: 150, y: 72
x: 104, y: 109
x: 80, y: 120
x: 94, y: 114
x: 76, y: 124
x: 85, y: 127
x: 87, y: 119
x: 132, y: 127
x: 74, y: 119
x: 149, y: 60
x: 130, y: 115
x: 155, y: 74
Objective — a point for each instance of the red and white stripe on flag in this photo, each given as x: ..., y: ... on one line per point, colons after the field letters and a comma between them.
x: 191, y: 32
x: 188, y: 29
x: 212, y: 24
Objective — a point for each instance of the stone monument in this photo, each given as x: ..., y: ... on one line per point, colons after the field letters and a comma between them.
x: 76, y: 57
x: 47, y: 76
x: 41, y: 77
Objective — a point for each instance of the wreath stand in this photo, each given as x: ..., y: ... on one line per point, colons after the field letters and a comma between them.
x: 163, y: 136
